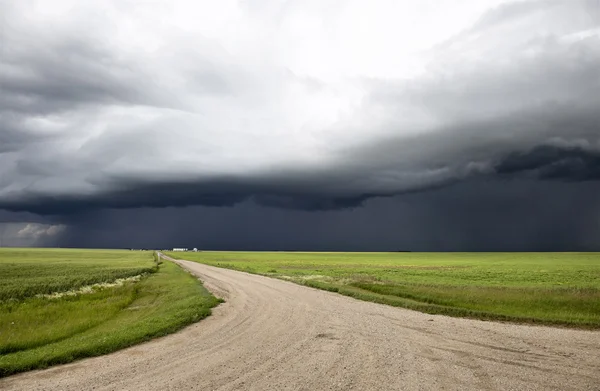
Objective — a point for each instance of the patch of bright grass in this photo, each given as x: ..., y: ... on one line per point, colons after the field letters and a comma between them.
x: 36, y: 332
x: 545, y: 288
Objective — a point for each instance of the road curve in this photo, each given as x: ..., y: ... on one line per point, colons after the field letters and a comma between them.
x: 275, y: 335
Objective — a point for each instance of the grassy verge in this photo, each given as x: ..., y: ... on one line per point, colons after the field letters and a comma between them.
x: 545, y: 288
x: 36, y: 332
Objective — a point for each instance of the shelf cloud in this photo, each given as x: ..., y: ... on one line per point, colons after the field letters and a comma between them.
x: 339, y: 114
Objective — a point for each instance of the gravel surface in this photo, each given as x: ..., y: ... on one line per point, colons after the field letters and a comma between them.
x: 276, y: 335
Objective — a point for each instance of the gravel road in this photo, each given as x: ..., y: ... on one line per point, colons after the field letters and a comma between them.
x: 276, y: 335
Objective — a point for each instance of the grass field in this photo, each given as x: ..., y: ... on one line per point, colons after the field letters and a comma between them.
x: 545, y: 288
x: 139, y: 300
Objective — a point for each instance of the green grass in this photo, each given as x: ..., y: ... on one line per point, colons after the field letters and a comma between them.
x: 545, y: 288
x: 36, y: 332
x: 27, y: 272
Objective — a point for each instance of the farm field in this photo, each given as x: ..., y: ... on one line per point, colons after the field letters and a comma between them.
x: 58, y: 305
x: 544, y: 288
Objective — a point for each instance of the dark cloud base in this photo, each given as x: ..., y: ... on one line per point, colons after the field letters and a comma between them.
x: 481, y: 215
x: 546, y: 162
x: 553, y: 163
x: 538, y: 199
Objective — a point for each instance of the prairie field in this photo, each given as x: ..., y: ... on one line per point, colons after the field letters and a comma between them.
x: 545, y: 288
x: 58, y: 305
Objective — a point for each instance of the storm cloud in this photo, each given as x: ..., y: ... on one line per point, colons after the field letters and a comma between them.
x: 436, y: 128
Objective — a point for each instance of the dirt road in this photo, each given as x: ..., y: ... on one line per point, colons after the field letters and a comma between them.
x: 275, y: 335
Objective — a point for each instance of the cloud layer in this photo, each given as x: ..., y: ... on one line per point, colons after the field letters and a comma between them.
x: 300, y: 106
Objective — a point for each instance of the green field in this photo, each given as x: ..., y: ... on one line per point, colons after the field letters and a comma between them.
x: 545, y: 288
x: 59, y: 305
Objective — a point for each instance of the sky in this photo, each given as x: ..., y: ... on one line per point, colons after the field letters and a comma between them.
x: 447, y: 125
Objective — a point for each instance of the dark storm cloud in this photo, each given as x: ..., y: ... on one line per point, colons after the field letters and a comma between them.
x: 91, y: 124
x: 165, y: 194
x: 546, y: 162
x: 475, y: 216
x: 552, y: 162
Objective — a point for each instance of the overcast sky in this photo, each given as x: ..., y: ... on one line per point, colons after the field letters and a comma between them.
x: 306, y: 125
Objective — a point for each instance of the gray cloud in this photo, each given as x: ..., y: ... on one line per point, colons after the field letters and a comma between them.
x: 476, y: 216
x: 94, y: 119
x: 29, y: 234
x: 50, y: 77
x: 339, y: 189
x: 551, y: 162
